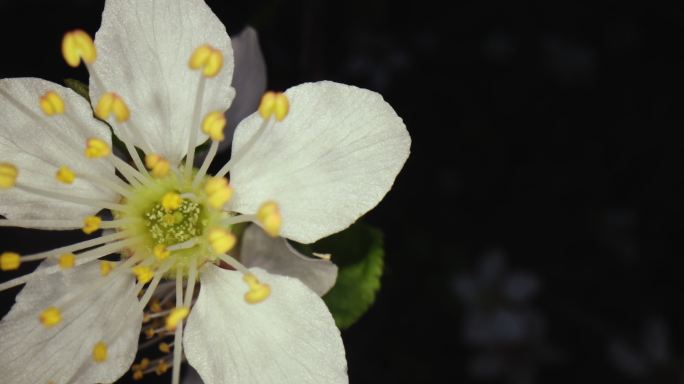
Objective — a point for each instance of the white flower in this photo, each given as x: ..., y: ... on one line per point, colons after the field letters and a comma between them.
x: 307, y: 165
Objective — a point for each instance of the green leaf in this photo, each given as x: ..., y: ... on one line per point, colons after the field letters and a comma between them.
x: 78, y: 87
x: 358, y: 252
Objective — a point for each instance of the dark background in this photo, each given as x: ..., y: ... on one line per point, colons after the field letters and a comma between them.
x: 544, y: 135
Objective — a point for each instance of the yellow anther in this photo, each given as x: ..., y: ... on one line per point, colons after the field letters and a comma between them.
x: 269, y: 217
x: 65, y: 175
x: 106, y: 267
x: 8, y: 175
x: 221, y: 240
x: 67, y: 260
x: 160, y: 252
x: 171, y: 201
x: 258, y: 291
x: 143, y: 273
x: 164, y: 348
x: 138, y: 375
x: 51, y: 104
x: 149, y: 333
x: 91, y: 224
x: 111, y: 103
x: 143, y: 365
x: 100, y: 352
x: 208, y: 59
x: 158, y: 165
x: 218, y: 192
x: 76, y: 46
x: 274, y: 104
x: 96, y: 148
x: 155, y: 307
x: 176, y: 316
x: 162, y: 367
x: 50, y: 317
x: 213, y: 125
x: 10, y: 261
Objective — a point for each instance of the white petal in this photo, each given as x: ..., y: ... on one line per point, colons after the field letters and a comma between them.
x: 249, y: 79
x: 288, y: 338
x: 277, y: 256
x: 38, y: 145
x: 143, y: 51
x: 332, y: 159
x: 32, y: 353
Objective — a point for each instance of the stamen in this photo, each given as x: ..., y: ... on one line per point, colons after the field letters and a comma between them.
x: 159, y: 166
x: 50, y: 317
x: 75, y: 247
x: 192, y: 279
x: 100, y: 352
x: 258, y: 291
x: 238, y: 219
x: 81, y: 258
x: 184, y: 245
x: 101, y: 204
x: 274, y: 104
x: 51, y: 104
x: 67, y: 261
x: 97, y: 148
x: 143, y: 273
x: 213, y: 125
x: 8, y: 175
x: 323, y: 256
x: 218, y: 192
x: 65, y: 175
x: 221, y: 240
x: 177, y: 315
x: 137, y: 375
x: 155, y: 282
x: 178, y: 337
x: 136, y: 134
x: 192, y: 140
x: 91, y: 224
x: 155, y: 306
x: 208, y: 59
x: 105, y: 267
x: 265, y: 125
x: 162, y: 368
x: 165, y: 347
x: 66, y: 302
x: 77, y: 45
x: 41, y: 224
x: 10, y: 261
x: 159, y: 313
x: 114, y: 183
x: 58, y: 133
x: 144, y: 363
x: 230, y: 260
x: 269, y: 218
x: 131, y: 174
x: 112, y: 104
x: 160, y: 252
x: 213, y: 149
x: 171, y: 201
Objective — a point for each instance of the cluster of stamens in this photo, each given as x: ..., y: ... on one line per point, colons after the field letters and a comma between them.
x: 170, y: 220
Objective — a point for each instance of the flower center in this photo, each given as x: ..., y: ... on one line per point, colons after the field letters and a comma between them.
x: 174, y: 219
x: 169, y: 227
